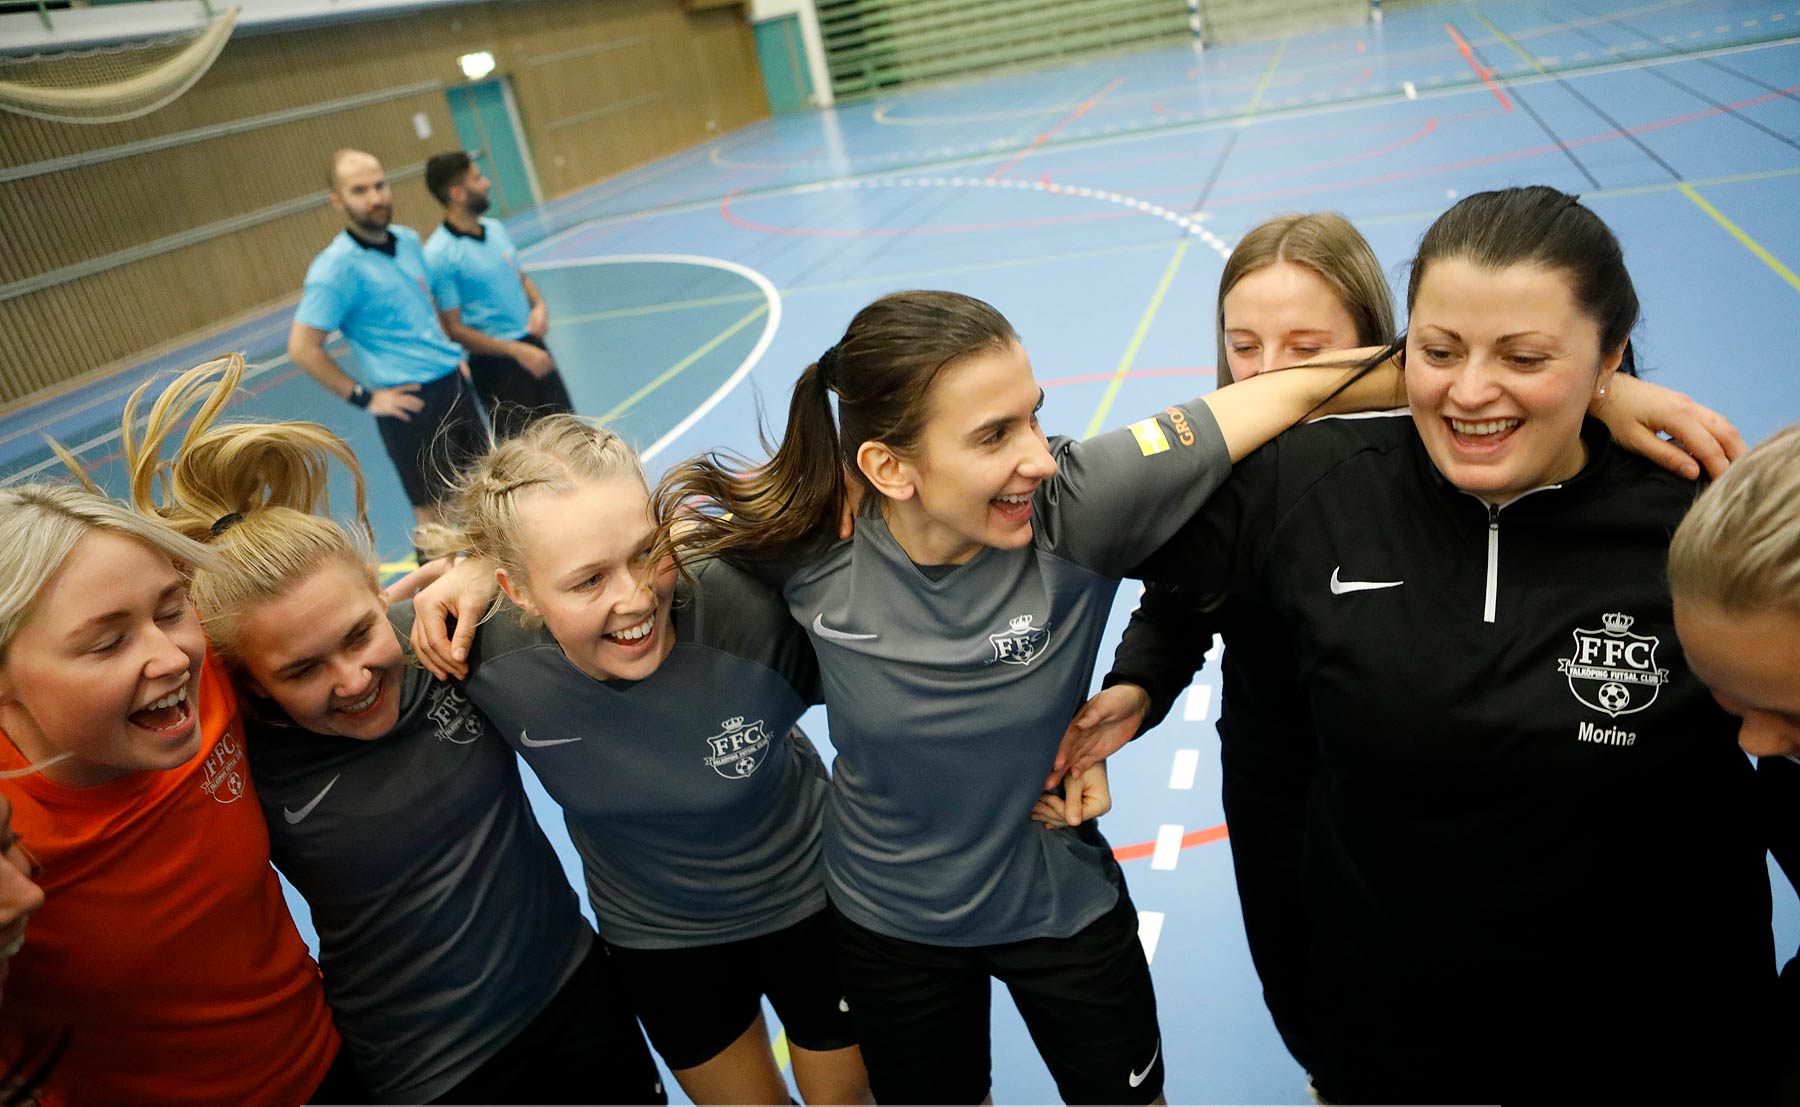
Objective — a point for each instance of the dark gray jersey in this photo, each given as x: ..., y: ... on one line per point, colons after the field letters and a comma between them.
x: 696, y: 814
x: 947, y: 697
x: 445, y: 922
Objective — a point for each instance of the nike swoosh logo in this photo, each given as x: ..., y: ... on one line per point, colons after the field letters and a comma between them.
x: 293, y: 817
x: 1139, y: 1077
x: 824, y: 631
x: 1339, y: 587
x: 525, y: 740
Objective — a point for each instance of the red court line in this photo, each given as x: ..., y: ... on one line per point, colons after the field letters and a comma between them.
x: 1419, y: 135
x: 1480, y: 70
x: 1081, y: 109
x: 1192, y: 838
x: 1491, y: 159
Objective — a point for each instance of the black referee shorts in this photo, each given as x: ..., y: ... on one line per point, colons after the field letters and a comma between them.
x: 432, y: 446
x: 512, y: 396
x: 921, y: 1011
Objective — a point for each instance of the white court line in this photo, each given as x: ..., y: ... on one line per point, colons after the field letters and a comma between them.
x: 762, y: 344
x: 1150, y: 932
x: 770, y: 326
x: 1168, y: 846
x: 1199, y: 703
x: 1187, y: 765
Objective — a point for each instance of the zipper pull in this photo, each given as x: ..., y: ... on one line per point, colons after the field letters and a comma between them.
x: 1493, y: 517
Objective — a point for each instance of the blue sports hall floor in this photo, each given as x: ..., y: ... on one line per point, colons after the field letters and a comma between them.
x: 1094, y: 204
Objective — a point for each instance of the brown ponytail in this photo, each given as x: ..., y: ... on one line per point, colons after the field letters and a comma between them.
x: 882, y: 370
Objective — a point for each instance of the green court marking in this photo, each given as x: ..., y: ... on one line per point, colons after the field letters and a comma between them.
x: 1743, y: 238
x: 1137, y: 340
x: 679, y: 367
x: 1268, y: 75
x: 1530, y: 58
x: 656, y: 309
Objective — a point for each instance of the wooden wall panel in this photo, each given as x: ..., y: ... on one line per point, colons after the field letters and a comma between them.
x: 601, y: 85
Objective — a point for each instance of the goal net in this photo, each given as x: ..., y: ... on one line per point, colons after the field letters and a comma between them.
x: 108, y: 84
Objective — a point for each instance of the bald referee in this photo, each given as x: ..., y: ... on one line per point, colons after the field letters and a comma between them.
x: 487, y: 303
x: 371, y: 283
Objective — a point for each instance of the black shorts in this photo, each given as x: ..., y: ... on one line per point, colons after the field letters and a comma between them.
x: 583, y: 1047
x: 512, y: 396
x: 696, y: 1001
x: 435, y: 443
x: 922, y: 1011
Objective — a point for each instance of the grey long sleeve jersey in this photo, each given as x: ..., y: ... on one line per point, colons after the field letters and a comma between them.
x: 948, y: 696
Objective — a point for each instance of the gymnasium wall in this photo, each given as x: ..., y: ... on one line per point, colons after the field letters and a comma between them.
x: 119, y: 238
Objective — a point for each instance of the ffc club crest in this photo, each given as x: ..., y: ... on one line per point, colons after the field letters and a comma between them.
x: 1021, y: 644
x: 1614, y: 670
x: 451, y: 714
x: 738, y: 749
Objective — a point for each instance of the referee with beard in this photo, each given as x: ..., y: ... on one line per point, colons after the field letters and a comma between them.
x: 487, y: 303
x: 371, y: 283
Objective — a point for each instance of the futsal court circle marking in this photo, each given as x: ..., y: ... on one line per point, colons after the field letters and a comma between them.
x: 771, y: 324
x: 1190, y: 223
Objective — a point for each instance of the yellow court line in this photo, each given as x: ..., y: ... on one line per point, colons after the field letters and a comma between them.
x: 398, y: 567
x: 1530, y: 59
x: 657, y: 309
x: 1137, y: 340
x: 1738, y: 233
x: 1268, y: 75
x: 676, y: 370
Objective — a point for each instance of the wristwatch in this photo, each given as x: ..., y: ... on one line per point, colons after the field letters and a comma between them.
x: 359, y: 396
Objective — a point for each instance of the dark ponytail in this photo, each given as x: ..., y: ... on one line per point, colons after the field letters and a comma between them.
x: 882, y: 370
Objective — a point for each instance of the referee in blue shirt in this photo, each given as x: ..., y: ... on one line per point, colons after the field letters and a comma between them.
x: 371, y: 283
x: 487, y: 303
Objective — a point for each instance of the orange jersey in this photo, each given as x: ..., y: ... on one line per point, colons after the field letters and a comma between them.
x: 164, y: 943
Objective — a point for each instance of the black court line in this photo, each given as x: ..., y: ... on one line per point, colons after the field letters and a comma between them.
x: 1690, y: 55
x: 1519, y: 98
x: 1566, y: 86
x: 1213, y: 177
x: 1657, y: 71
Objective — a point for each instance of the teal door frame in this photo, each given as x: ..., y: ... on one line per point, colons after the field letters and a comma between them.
x: 487, y: 125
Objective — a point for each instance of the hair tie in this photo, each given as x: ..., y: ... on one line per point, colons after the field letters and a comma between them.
x: 225, y: 523
x: 828, y: 366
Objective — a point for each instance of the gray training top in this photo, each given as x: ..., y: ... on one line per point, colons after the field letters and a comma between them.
x: 696, y: 814
x: 948, y: 697
x: 445, y: 922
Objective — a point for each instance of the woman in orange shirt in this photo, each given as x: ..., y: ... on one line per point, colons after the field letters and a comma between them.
x: 164, y: 949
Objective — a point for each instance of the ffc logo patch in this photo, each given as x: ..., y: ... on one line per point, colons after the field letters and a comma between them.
x: 738, y: 749
x: 1022, y: 643
x: 455, y: 720
x: 223, y: 772
x: 1614, y: 670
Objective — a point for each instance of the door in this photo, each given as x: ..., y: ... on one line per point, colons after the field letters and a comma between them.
x: 487, y: 125
x: 783, y: 56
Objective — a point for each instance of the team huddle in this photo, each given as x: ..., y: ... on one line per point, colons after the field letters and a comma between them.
x: 1494, y: 835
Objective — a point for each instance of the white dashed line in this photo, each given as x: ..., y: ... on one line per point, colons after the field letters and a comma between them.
x: 1168, y: 846
x: 1412, y: 93
x: 1187, y: 766
x: 1199, y: 703
x: 1150, y: 932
